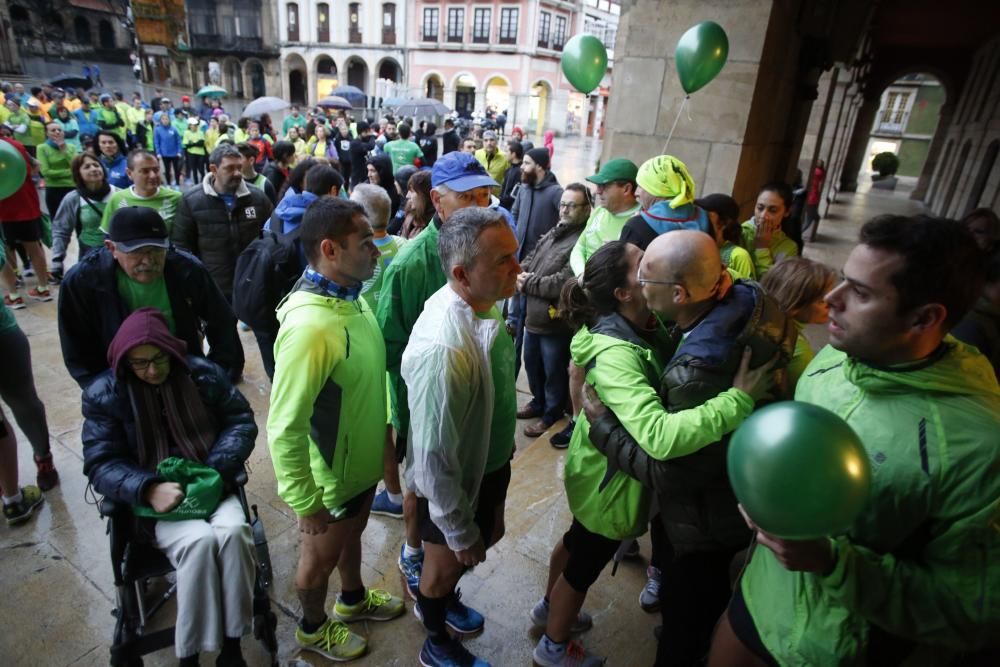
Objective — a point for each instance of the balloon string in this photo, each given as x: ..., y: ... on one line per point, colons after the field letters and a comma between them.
x: 674, y: 126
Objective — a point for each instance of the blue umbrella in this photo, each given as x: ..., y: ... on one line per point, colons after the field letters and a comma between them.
x: 352, y: 94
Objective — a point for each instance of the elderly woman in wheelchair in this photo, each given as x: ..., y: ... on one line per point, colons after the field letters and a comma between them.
x: 155, y: 402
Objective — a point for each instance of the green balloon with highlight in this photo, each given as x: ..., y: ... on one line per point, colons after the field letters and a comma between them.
x: 700, y: 55
x: 584, y: 62
x: 13, y: 169
x: 799, y: 471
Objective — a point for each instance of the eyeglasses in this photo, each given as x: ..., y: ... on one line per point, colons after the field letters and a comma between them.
x: 142, y: 365
x: 643, y: 281
x: 570, y: 205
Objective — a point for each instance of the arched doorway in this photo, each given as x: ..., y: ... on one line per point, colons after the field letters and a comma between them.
x: 357, y: 74
x: 465, y: 95
x: 298, y: 84
x: 434, y: 87
x: 539, y: 107
x: 106, y: 34
x: 498, y: 93
x: 81, y: 27
x: 390, y: 70
x: 326, y: 76
x: 255, y: 71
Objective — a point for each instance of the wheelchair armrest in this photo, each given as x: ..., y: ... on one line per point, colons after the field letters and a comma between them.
x: 241, y: 478
x: 110, y: 508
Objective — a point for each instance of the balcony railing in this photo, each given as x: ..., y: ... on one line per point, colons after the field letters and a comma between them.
x: 389, y: 36
x: 226, y: 43
x: 354, y: 36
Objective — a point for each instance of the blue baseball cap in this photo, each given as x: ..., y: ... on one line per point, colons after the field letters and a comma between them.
x: 460, y: 172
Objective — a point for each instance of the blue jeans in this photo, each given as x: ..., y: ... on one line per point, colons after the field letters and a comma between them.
x: 546, y: 361
x: 515, y: 319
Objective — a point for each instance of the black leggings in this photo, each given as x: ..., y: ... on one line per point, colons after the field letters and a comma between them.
x: 17, y: 389
x: 196, y: 167
x: 172, y: 170
x: 54, y: 197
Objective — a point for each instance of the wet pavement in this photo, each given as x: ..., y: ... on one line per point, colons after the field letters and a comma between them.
x: 56, y: 593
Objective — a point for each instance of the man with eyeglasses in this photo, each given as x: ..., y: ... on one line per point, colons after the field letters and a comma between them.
x: 721, y: 330
x: 546, y: 335
x: 137, y: 268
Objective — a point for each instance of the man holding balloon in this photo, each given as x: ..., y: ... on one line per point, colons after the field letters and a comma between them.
x: 856, y: 565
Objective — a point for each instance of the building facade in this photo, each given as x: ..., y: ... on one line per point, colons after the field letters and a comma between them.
x: 327, y: 44
x: 93, y: 30
x: 906, y: 121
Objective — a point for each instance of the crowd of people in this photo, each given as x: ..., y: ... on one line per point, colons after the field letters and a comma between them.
x: 396, y: 278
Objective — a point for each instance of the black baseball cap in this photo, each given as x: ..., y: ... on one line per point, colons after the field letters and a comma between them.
x: 134, y: 227
x: 723, y: 205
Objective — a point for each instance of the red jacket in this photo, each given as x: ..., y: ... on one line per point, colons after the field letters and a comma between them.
x: 23, y: 205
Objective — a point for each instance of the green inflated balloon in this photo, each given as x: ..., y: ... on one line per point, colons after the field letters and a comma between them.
x: 799, y: 471
x: 584, y: 62
x: 12, y: 170
x: 700, y: 55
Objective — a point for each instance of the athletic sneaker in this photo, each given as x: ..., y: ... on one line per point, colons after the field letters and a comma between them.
x: 449, y: 654
x: 383, y: 505
x: 40, y: 295
x: 571, y: 654
x: 649, y: 598
x: 31, y: 498
x: 540, y: 618
x: 333, y: 640
x: 411, y: 568
x: 561, y: 439
x: 47, y: 477
x: 17, y: 303
x: 378, y: 605
x: 460, y: 618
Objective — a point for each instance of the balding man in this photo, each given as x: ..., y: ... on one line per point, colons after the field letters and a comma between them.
x: 721, y: 330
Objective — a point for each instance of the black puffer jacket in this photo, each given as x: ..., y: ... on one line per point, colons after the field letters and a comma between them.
x: 207, y: 229
x: 110, y: 459
x: 91, y: 310
x: 696, y: 501
x: 536, y: 211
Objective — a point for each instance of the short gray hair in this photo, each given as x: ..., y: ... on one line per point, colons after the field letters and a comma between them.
x: 222, y: 151
x: 376, y: 203
x: 458, y: 240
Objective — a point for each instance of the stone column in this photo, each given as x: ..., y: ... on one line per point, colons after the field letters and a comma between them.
x: 934, y: 152
x: 859, y: 142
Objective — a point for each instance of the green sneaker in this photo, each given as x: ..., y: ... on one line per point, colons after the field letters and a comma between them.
x: 378, y: 605
x: 333, y: 641
x: 31, y: 498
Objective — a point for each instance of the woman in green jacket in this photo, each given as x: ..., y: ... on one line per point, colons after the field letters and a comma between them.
x: 54, y: 158
x: 624, y: 348
x: 764, y: 235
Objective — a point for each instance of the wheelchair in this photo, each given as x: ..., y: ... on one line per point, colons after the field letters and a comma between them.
x: 135, y: 562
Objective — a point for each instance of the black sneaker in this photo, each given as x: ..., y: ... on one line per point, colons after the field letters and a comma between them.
x: 561, y: 439
x: 31, y: 498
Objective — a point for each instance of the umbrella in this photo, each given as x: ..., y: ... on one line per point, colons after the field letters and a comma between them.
x: 352, y: 94
x: 422, y: 106
x: 263, y: 105
x: 71, y: 81
x: 212, y: 91
x: 334, y: 102
x: 393, y: 101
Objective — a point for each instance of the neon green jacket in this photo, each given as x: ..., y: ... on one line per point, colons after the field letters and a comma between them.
x: 624, y: 369
x: 602, y: 226
x: 53, y: 164
x: 326, y: 427
x: 412, y: 277
x: 764, y: 258
x: 922, y: 562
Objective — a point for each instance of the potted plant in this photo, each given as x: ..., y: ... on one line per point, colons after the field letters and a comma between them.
x: 886, y: 165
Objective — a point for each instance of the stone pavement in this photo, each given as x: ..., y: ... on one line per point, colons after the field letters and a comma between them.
x: 56, y: 593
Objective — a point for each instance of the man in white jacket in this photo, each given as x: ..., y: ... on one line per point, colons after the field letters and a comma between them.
x: 459, y: 372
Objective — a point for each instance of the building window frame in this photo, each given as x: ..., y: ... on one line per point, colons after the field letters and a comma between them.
x: 431, y: 25
x: 544, y: 29
x: 510, y: 17
x: 481, y: 19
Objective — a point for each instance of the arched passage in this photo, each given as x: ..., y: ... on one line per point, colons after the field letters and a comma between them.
x: 106, y: 34
x: 298, y: 83
x: 956, y: 175
x: 498, y: 93
x: 233, y: 77
x: 81, y: 29
x: 357, y: 73
x: 389, y: 70
x: 465, y: 94
x: 906, y: 121
x: 433, y: 87
x: 327, y: 77
x: 541, y: 93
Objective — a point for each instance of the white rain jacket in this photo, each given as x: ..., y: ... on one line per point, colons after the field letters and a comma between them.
x: 446, y: 367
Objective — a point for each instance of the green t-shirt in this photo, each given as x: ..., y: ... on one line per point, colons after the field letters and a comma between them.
x: 504, y: 395
x: 403, y: 152
x: 291, y: 122
x: 91, y: 216
x: 165, y: 202
x: 387, y: 245
x: 138, y: 295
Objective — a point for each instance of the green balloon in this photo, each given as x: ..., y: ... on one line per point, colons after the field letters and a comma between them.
x: 584, y: 62
x: 700, y: 55
x: 799, y: 471
x: 12, y: 169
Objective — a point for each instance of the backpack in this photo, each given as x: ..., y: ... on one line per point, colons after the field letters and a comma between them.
x: 266, y: 271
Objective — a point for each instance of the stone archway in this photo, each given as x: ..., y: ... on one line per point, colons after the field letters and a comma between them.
x: 433, y: 87
x: 541, y: 95
x: 327, y: 76
x: 390, y: 70
x: 498, y: 92
x: 232, y: 74
x: 106, y: 34
x: 298, y: 79
x: 357, y: 73
x: 465, y: 86
x: 81, y: 30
